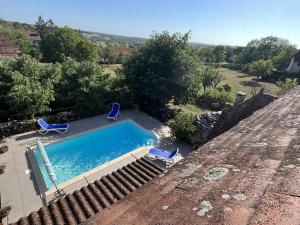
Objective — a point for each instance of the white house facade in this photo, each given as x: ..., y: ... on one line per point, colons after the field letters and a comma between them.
x: 294, y: 66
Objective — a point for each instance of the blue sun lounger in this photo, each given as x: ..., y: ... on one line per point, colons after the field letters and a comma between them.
x: 115, y: 112
x: 45, y: 127
x: 168, y: 157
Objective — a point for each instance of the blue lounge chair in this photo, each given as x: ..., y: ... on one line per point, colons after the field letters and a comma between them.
x: 168, y: 157
x: 115, y: 112
x: 45, y: 127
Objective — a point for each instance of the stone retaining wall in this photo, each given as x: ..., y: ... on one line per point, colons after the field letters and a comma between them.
x: 17, y: 127
x: 232, y: 116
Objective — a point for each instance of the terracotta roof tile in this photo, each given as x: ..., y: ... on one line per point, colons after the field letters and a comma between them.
x: 82, y: 204
x: 254, y: 167
x: 248, y: 175
x: 7, y: 48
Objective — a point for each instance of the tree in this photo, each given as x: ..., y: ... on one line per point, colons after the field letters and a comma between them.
x: 260, y: 68
x: 269, y: 48
x: 60, y: 43
x: 29, y: 86
x: 210, y: 77
x: 219, y: 53
x: 83, y: 85
x: 44, y: 26
x: 160, y: 69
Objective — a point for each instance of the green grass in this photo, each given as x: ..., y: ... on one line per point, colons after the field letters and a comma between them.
x: 238, y: 82
x: 193, y: 108
x: 111, y: 68
x: 242, y: 82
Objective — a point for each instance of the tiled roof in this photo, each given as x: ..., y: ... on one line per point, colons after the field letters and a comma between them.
x: 82, y: 204
x: 248, y: 175
x: 7, y: 48
x: 34, y: 36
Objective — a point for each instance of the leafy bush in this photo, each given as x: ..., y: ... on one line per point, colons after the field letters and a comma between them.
x: 226, y: 87
x: 183, y: 126
x: 286, y: 85
x: 83, y: 85
x: 216, y: 95
x: 211, y: 77
x: 260, y: 68
x: 27, y: 87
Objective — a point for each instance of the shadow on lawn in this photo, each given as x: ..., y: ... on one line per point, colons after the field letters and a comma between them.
x: 250, y: 83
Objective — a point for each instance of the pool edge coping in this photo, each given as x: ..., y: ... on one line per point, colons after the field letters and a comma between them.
x: 46, y: 192
x: 85, y: 175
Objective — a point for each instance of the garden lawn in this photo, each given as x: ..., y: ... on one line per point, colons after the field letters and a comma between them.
x: 193, y: 108
x: 245, y: 83
x: 111, y: 68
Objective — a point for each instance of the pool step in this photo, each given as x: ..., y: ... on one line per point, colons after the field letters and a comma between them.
x: 82, y: 204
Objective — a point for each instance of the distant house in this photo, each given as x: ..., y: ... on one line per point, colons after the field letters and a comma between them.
x: 294, y: 66
x: 34, y: 37
x: 7, y: 48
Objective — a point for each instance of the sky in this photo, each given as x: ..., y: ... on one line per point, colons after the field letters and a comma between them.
x: 232, y: 22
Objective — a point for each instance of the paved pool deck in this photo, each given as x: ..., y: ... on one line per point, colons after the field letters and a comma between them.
x: 19, y: 188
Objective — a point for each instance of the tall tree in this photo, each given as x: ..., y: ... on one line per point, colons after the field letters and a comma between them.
x: 269, y: 48
x: 65, y: 42
x: 160, y: 69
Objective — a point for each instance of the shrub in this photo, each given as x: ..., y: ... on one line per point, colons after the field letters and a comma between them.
x: 83, y: 85
x: 183, y: 126
x: 260, y: 68
x: 211, y: 77
x: 27, y: 86
x: 216, y: 95
x: 226, y: 87
x: 286, y: 85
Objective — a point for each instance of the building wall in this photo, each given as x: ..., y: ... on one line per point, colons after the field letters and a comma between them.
x: 294, y: 67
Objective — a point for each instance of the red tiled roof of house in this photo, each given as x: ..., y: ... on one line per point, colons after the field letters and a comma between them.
x: 248, y: 175
x: 122, y: 50
x: 7, y: 48
x: 34, y: 36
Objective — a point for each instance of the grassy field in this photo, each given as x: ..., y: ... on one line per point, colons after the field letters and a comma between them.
x: 193, y: 108
x: 236, y: 79
x: 242, y: 82
x: 111, y: 68
x: 238, y: 82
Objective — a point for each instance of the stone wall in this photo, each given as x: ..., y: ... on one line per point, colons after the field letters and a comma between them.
x: 17, y: 127
x: 233, y: 115
x: 212, y: 124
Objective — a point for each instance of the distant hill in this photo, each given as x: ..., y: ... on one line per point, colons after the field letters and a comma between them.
x: 96, y: 36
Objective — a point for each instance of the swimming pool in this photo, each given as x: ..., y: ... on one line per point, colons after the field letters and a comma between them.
x: 74, y: 156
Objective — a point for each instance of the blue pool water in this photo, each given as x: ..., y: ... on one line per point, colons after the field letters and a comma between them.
x: 74, y: 156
